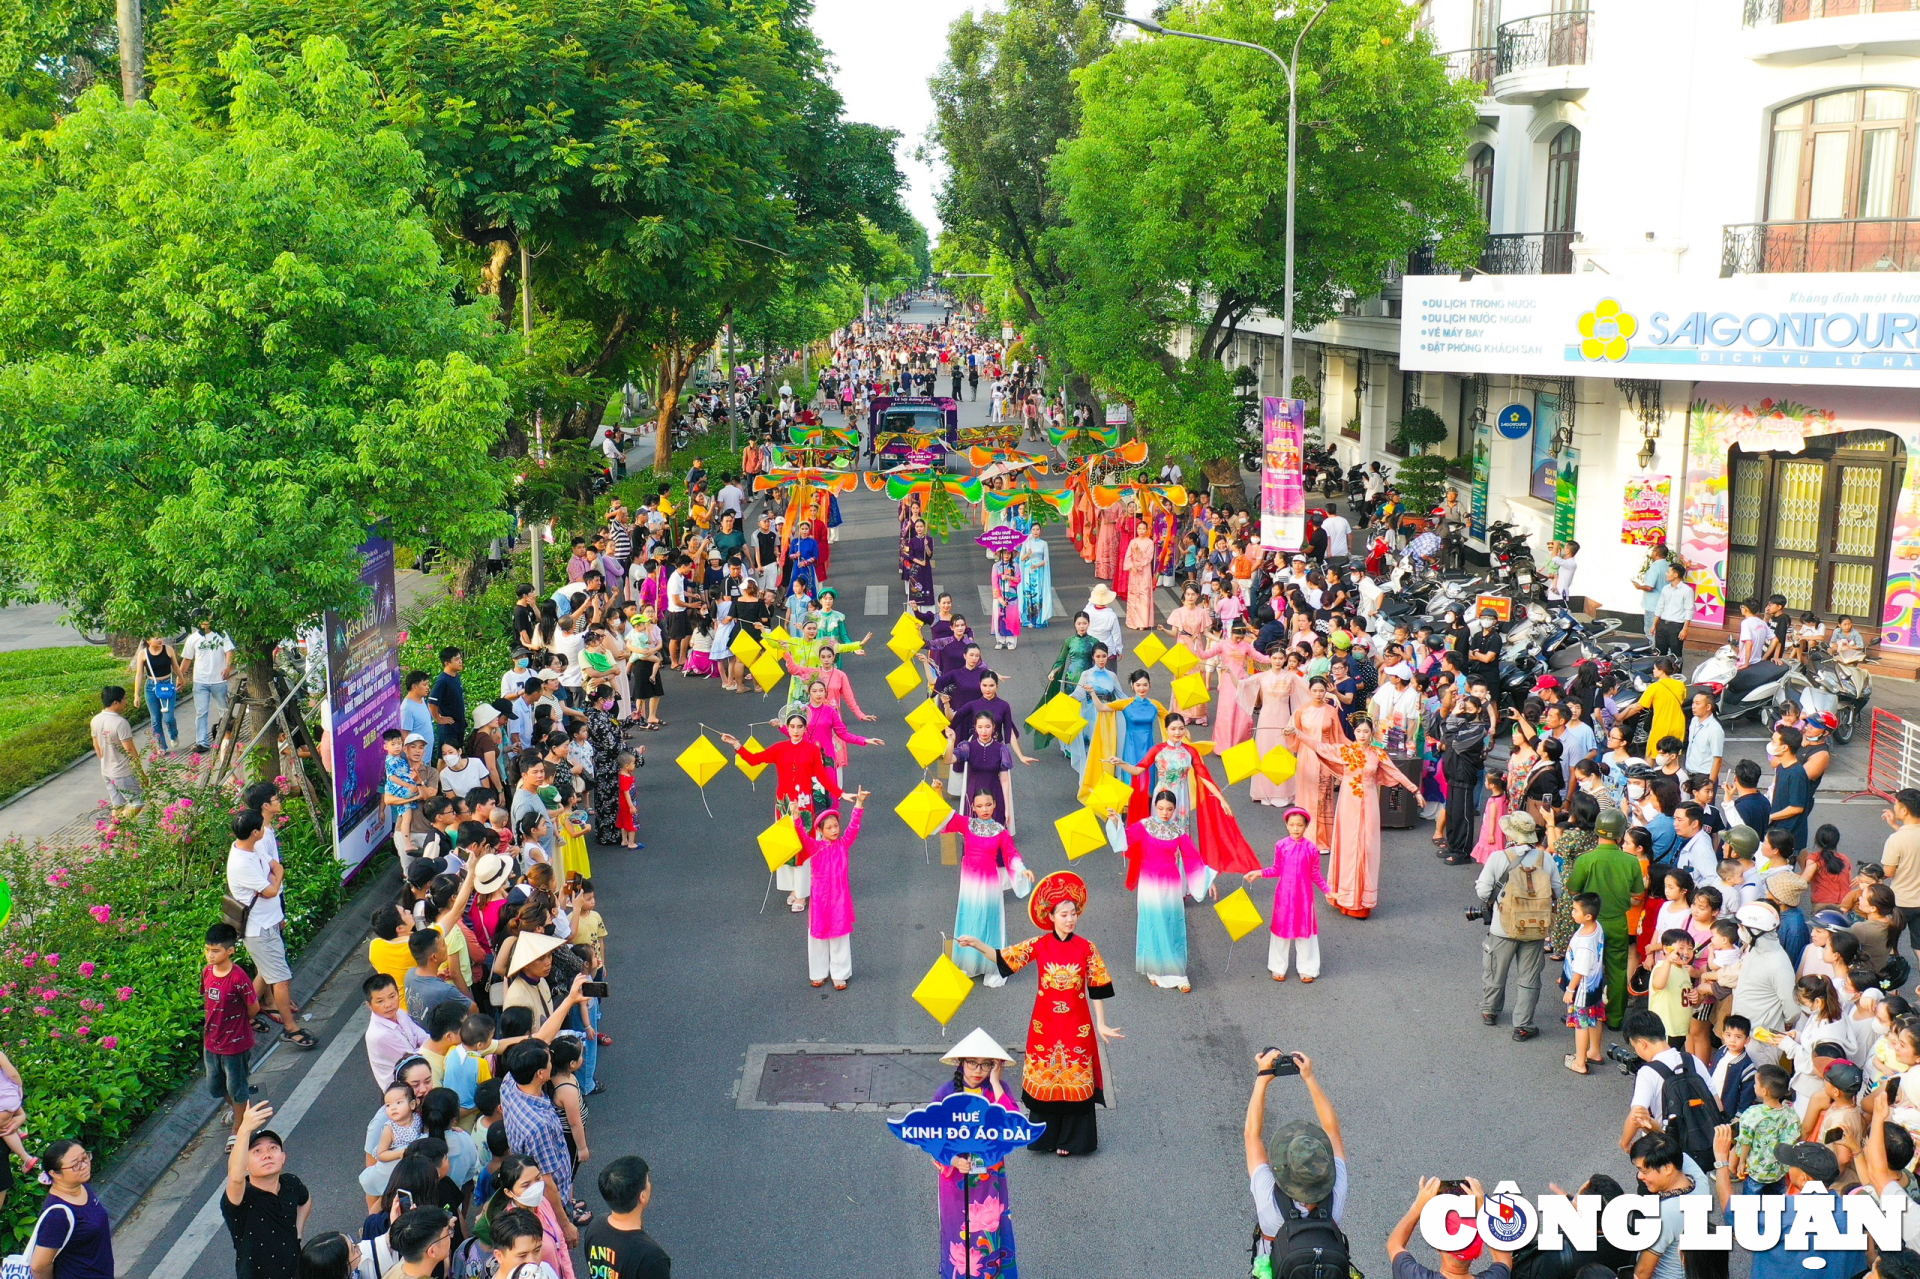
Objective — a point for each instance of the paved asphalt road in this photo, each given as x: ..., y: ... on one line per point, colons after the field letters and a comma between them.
x: 699, y: 974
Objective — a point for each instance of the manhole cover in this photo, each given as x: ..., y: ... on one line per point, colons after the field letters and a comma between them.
x: 854, y: 1077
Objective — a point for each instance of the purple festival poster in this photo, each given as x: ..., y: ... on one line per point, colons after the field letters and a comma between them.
x: 363, y: 700
x: 1283, y: 493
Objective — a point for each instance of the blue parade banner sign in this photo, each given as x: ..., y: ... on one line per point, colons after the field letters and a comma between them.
x: 963, y: 1124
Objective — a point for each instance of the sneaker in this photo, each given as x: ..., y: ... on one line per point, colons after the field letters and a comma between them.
x: 198, y: 749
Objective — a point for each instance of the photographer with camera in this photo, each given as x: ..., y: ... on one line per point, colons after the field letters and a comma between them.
x: 1517, y: 890
x: 1454, y: 1264
x: 1465, y: 750
x: 1300, y: 1194
x: 1672, y: 1091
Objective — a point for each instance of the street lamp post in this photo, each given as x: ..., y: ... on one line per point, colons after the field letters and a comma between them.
x: 1291, y: 69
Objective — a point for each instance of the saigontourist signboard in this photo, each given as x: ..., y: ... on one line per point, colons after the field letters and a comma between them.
x: 1822, y: 329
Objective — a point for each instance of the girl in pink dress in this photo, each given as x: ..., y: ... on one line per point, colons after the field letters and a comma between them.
x: 1296, y: 874
x: 1317, y: 725
x: 827, y: 730
x: 1491, y: 837
x: 1232, y: 657
x: 1139, y: 569
x: 1362, y: 770
x: 830, y: 910
x: 839, y: 687
x: 1188, y: 624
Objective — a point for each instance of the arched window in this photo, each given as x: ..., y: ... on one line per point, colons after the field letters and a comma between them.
x: 1481, y: 175
x: 1846, y: 155
x: 1563, y: 179
x: 1563, y: 194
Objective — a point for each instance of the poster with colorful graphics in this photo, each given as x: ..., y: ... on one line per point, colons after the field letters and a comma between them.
x: 363, y: 698
x: 1643, y: 516
x: 1482, y: 479
x: 1283, y: 493
x: 1566, y: 490
x: 1900, y: 615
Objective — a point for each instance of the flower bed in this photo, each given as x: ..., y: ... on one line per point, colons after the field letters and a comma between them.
x: 99, y: 963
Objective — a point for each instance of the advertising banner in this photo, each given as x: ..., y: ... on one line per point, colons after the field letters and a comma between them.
x: 1482, y: 479
x: 1643, y: 516
x: 363, y: 697
x: 1832, y: 329
x: 1283, y: 490
x: 1565, y: 492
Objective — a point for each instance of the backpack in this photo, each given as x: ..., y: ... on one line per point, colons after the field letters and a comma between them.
x: 1526, y: 904
x: 1895, y: 974
x: 1310, y: 1245
x: 471, y: 1260
x: 1692, y: 1110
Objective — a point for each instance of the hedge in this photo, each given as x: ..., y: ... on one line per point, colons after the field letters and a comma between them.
x: 47, y: 696
x: 100, y: 961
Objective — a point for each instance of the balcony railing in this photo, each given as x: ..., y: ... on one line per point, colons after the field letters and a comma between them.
x: 1536, y: 253
x: 1767, y: 13
x: 1859, y: 244
x: 1478, y: 65
x: 1545, y: 40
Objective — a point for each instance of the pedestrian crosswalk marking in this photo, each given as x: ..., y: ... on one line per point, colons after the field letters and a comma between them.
x: 877, y: 600
x: 986, y: 600
x: 1059, y: 608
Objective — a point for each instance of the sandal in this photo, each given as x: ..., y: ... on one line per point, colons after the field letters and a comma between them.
x: 300, y: 1037
x: 580, y: 1217
x: 606, y: 1040
x: 816, y: 984
x: 839, y: 985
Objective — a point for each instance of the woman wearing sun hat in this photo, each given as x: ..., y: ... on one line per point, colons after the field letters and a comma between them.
x: 983, y: 1224
x: 1063, y: 1076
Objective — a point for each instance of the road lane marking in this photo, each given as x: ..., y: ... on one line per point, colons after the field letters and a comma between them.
x: 182, y: 1259
x: 877, y: 600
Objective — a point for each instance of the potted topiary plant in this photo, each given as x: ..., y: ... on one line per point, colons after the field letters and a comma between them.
x: 1422, y: 478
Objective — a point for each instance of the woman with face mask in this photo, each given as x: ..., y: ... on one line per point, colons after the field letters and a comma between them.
x: 523, y: 1188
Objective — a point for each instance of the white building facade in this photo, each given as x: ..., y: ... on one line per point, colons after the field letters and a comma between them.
x: 1701, y: 285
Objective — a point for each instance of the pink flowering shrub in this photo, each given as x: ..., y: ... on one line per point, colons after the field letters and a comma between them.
x: 100, y: 960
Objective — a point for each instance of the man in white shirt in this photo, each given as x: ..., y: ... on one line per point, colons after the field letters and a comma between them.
x: 212, y: 656
x: 678, y: 629
x: 254, y: 880
x: 1755, y: 635
x: 1706, y: 739
x: 1563, y: 573
x: 1673, y: 615
x: 732, y: 497
x: 569, y: 641
x: 1396, y: 708
x: 1338, y: 530
x: 1696, y: 856
x: 1647, y: 1036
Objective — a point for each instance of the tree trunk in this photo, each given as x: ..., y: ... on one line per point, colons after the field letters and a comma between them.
x: 471, y: 577
x: 493, y: 278
x: 133, y: 51
x: 667, y: 400
x: 261, y: 699
x: 1228, y: 490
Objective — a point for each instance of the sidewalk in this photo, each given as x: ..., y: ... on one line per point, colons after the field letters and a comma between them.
x: 64, y: 804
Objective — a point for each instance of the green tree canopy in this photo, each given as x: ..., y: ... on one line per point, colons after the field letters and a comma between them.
x: 1004, y: 101
x: 224, y: 355
x: 1175, y: 197
x: 669, y: 164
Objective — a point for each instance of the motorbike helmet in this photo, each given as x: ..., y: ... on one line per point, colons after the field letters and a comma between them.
x: 1611, y: 825
x: 1744, y: 840
x: 1831, y: 920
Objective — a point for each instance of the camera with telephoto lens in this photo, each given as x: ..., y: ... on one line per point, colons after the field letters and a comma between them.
x: 1477, y: 913
x: 1624, y: 1056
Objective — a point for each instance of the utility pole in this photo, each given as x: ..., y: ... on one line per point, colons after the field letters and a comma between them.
x: 538, y: 530
x: 1292, y: 71
x: 133, y: 51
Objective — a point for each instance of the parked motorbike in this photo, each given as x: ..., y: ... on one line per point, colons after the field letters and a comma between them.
x: 1756, y: 692
x: 1823, y: 683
